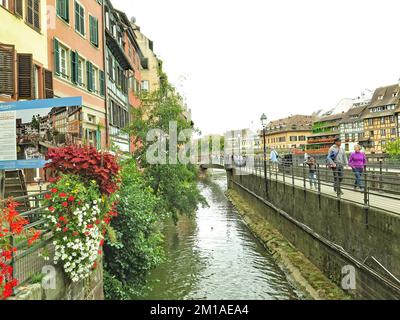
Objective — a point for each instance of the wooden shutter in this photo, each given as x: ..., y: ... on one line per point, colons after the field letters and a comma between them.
x: 7, y: 63
x: 63, y: 9
x: 25, y: 76
x: 102, y: 83
x: 74, y: 67
x: 56, y: 57
x: 94, y: 30
x: 18, y: 8
x: 29, y: 12
x: 89, y: 69
x: 36, y: 14
x: 48, y: 84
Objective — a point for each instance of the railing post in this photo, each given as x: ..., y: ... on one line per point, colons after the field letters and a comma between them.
x: 381, y: 174
x: 293, y: 177
x: 366, y: 196
x: 304, y: 176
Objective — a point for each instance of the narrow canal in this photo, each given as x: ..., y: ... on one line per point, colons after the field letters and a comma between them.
x: 214, y: 256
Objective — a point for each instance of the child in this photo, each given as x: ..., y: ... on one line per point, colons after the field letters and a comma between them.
x: 312, y: 165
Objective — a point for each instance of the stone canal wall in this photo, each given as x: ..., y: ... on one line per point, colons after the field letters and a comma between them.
x: 335, y: 236
x: 64, y: 289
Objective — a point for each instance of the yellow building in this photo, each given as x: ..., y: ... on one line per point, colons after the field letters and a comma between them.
x: 288, y: 134
x: 381, y: 123
x: 151, y: 65
x: 23, y: 50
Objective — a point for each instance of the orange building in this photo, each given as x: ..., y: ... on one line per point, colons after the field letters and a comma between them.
x: 76, y: 57
x: 123, y: 75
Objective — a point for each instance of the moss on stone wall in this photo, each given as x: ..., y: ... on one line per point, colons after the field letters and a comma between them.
x: 307, y: 277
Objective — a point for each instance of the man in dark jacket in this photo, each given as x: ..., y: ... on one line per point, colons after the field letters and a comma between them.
x: 337, y: 160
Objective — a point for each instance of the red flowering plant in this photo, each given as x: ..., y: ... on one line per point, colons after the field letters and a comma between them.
x: 88, y: 163
x: 79, y: 215
x: 12, y: 224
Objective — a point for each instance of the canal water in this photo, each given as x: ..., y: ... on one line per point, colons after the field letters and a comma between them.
x: 214, y: 256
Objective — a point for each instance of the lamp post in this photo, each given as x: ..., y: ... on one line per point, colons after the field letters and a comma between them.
x: 240, y: 157
x: 264, y: 125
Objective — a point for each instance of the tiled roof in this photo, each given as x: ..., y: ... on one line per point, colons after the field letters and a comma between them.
x: 296, y: 122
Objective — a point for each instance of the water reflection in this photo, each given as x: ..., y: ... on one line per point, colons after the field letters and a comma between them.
x: 214, y: 256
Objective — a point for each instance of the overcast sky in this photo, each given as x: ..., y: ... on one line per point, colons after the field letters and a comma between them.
x: 234, y: 60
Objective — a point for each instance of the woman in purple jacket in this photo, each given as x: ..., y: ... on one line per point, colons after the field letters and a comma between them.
x: 357, y: 162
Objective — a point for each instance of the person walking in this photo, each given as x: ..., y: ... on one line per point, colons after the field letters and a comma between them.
x: 337, y: 160
x: 274, y: 158
x: 357, y: 163
x: 312, y: 169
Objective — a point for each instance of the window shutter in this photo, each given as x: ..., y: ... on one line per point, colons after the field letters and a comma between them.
x: 76, y: 16
x: 74, y: 67
x: 48, y: 84
x: 56, y: 57
x: 66, y: 13
x: 89, y: 69
x: 36, y: 14
x: 7, y: 58
x: 18, y: 9
x: 102, y: 83
x: 29, y: 12
x: 25, y: 76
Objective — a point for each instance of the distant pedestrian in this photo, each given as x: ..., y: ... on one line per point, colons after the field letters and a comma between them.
x: 274, y: 158
x: 312, y: 171
x: 357, y: 162
x: 337, y: 160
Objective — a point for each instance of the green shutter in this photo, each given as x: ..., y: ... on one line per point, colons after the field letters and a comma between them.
x: 74, y: 66
x: 56, y: 57
x: 66, y: 12
x: 89, y: 69
x: 94, y: 30
x: 102, y: 84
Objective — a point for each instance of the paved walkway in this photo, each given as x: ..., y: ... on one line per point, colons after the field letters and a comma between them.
x: 388, y: 202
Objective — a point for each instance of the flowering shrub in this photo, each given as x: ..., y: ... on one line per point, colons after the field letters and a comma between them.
x: 88, y: 163
x: 78, y: 215
x: 11, y: 224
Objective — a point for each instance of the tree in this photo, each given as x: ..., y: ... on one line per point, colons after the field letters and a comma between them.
x: 35, y: 123
x: 393, y: 149
x: 174, y: 184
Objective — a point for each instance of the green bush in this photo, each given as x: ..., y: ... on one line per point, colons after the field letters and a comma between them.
x: 138, y: 248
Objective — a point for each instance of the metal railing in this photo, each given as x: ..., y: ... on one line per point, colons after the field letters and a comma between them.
x: 380, y: 182
x: 26, y: 262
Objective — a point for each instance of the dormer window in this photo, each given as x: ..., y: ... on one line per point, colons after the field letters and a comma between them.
x: 395, y: 94
x: 380, y: 97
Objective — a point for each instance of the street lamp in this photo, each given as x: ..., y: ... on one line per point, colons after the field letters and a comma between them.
x: 264, y: 125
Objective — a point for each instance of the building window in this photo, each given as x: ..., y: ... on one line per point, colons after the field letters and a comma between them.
x: 81, y: 72
x: 94, y: 30
x: 380, y: 97
x: 370, y: 122
x: 63, y: 62
x: 392, y: 119
x: 5, y: 4
x: 79, y: 18
x: 145, y: 85
x: 383, y: 133
x: 95, y: 80
x: 371, y: 133
x: 33, y: 14
x: 63, y: 9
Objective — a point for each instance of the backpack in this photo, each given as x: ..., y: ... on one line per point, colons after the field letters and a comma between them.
x: 329, y: 157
